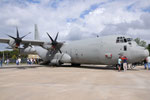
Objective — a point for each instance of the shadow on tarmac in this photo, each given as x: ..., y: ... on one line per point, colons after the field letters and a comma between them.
x: 103, y: 67
x: 20, y: 66
x: 96, y: 67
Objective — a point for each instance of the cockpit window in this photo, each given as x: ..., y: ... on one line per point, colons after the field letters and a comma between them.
x: 129, y: 39
x: 123, y: 40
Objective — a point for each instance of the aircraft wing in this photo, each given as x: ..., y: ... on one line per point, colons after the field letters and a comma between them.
x: 32, y: 42
x: 4, y: 40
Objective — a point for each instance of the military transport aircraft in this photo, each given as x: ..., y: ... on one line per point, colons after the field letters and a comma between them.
x: 100, y: 50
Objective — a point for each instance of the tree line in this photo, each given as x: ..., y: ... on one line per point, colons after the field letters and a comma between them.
x: 14, y: 54
x: 142, y: 43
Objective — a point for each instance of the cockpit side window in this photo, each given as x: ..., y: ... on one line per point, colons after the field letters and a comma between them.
x: 129, y: 39
x: 123, y: 40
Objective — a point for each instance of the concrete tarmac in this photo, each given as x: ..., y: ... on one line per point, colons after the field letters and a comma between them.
x: 88, y: 82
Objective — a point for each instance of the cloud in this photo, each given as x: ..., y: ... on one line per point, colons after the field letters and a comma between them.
x: 75, y: 19
x: 77, y: 34
x: 123, y: 28
x: 12, y: 22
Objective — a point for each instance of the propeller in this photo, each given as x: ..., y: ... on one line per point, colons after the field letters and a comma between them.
x: 18, y: 39
x: 54, y: 43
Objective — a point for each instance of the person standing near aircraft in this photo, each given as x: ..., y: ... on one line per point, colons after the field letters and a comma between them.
x: 19, y: 60
x: 124, y: 63
x: 145, y: 63
x: 7, y: 61
x: 148, y: 62
x: 1, y: 62
x: 119, y: 64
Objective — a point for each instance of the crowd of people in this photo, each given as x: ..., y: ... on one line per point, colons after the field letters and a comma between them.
x: 29, y: 61
x: 18, y: 61
x: 123, y: 64
x: 7, y: 61
x: 32, y: 61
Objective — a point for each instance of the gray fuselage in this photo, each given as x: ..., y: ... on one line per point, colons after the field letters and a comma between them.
x: 101, y: 50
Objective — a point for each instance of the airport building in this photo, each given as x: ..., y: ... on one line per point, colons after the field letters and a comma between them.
x: 34, y: 56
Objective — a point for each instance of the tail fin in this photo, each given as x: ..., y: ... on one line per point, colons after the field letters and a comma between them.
x: 36, y: 34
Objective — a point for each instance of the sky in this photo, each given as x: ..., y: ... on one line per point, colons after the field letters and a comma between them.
x: 75, y: 19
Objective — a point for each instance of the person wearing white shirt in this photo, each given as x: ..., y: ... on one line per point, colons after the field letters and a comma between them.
x: 148, y: 61
x: 119, y: 64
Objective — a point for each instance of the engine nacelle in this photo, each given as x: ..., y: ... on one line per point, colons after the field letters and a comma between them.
x: 61, y: 58
x: 65, y: 58
x: 12, y: 43
x: 47, y: 46
x: 28, y: 50
x: 55, y: 62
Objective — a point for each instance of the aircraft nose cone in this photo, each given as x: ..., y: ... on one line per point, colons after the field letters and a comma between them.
x: 146, y: 53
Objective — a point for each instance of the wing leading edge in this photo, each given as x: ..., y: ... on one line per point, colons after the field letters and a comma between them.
x: 32, y: 42
x: 4, y: 40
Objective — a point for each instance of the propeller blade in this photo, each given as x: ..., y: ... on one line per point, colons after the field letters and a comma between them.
x: 50, y: 37
x: 17, y: 39
x: 56, y: 36
x: 55, y: 44
x: 59, y: 50
x: 25, y: 35
x: 17, y: 32
x: 11, y: 37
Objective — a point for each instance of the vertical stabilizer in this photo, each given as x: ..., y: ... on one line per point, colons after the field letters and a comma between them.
x: 36, y: 34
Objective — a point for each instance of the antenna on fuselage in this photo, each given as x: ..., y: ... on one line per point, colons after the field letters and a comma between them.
x: 95, y: 34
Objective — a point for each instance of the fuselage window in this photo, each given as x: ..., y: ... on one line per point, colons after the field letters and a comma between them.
x: 125, y: 48
x: 117, y: 41
x: 130, y: 43
x: 121, y: 41
x: 125, y: 40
